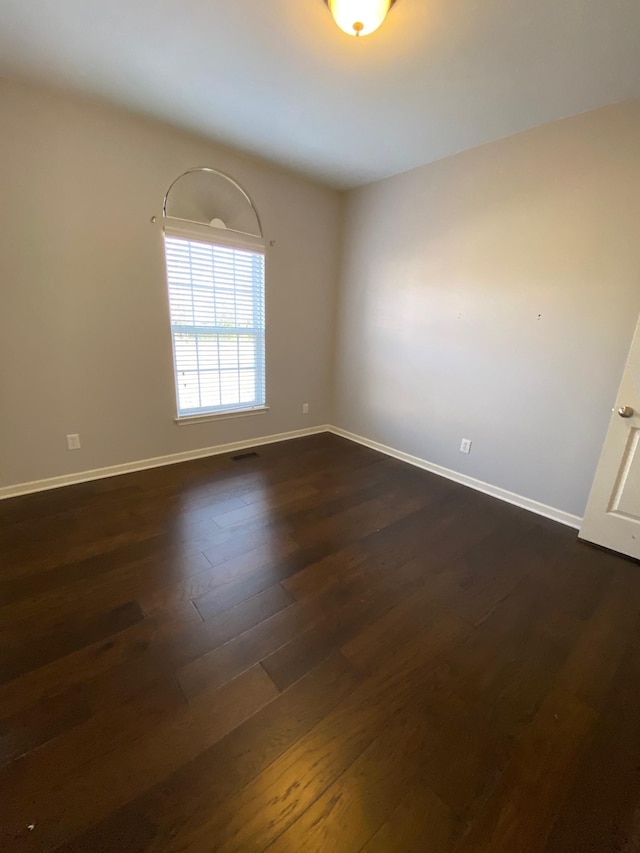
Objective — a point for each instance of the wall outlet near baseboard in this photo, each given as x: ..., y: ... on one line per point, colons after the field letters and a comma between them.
x: 465, y: 445
x: 305, y: 408
x: 73, y: 442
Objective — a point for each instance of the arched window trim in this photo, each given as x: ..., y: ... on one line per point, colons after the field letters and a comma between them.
x: 174, y: 222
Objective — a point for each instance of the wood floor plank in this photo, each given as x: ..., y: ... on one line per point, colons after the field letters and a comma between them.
x: 420, y: 823
x: 43, y: 721
x: 395, y: 543
x: 487, y: 694
x: 36, y: 584
x: 594, y: 657
x: 520, y: 813
x: 225, y: 662
x: 125, y: 581
x: 204, y: 586
x: 355, y: 805
x: 268, y: 805
x: 337, y: 620
x: 100, y: 786
x: 18, y: 659
x: 92, y: 541
x: 90, y: 664
x: 179, y: 805
x: 133, y: 674
x: 601, y: 810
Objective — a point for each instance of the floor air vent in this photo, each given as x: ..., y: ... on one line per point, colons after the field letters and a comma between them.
x: 251, y: 454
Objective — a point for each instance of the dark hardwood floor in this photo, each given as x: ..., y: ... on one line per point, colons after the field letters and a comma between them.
x: 315, y: 649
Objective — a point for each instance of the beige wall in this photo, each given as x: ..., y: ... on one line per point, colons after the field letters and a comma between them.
x: 85, y: 345
x: 492, y: 296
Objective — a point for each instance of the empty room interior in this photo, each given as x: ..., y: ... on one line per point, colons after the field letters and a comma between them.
x: 320, y: 426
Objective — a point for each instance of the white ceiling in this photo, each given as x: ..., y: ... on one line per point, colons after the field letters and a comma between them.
x: 279, y: 79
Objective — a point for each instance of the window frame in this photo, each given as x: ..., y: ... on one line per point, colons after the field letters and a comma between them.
x: 229, y: 239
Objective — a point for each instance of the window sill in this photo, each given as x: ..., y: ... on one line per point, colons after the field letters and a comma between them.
x: 220, y: 416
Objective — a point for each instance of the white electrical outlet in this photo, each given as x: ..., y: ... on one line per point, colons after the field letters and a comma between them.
x: 73, y: 442
x: 305, y: 408
x: 465, y: 446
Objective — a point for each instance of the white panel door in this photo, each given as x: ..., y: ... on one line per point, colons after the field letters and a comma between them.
x: 612, y: 518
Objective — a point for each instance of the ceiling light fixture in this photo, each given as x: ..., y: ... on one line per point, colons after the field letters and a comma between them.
x: 359, y: 17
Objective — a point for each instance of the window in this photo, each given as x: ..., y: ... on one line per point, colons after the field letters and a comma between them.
x: 216, y: 300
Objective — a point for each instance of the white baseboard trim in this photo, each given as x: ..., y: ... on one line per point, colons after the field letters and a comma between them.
x: 157, y: 462
x: 495, y: 491
x: 218, y: 450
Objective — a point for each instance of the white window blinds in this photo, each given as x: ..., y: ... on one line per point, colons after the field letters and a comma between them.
x: 216, y: 297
